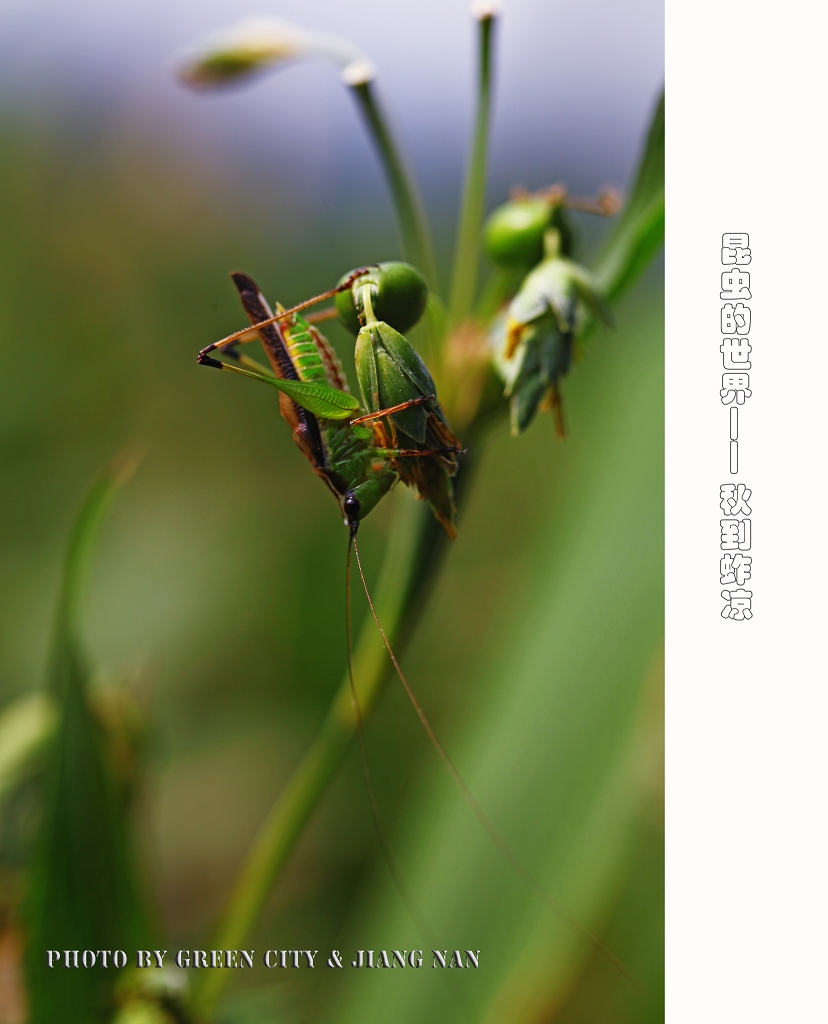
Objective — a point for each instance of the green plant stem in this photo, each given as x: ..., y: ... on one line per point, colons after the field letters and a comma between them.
x: 301, y: 795
x: 410, y: 563
x: 85, y: 534
x: 467, y: 251
x: 416, y: 239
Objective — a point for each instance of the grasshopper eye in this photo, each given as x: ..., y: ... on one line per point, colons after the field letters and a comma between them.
x: 399, y: 295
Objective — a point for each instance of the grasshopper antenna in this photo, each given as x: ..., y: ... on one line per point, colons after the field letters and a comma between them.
x: 497, y: 839
x: 393, y: 866
x: 247, y: 333
x: 390, y: 859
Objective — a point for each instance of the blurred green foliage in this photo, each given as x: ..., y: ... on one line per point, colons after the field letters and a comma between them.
x: 217, y: 600
x: 80, y: 888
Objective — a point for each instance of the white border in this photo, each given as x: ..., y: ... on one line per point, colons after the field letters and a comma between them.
x: 747, y: 728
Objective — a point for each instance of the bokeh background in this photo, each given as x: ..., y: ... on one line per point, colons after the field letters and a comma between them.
x: 217, y: 592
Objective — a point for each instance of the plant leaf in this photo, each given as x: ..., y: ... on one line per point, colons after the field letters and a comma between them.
x: 82, y: 894
x: 639, y: 233
x: 26, y: 726
x: 557, y: 738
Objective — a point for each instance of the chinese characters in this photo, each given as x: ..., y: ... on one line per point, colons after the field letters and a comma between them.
x: 735, y: 564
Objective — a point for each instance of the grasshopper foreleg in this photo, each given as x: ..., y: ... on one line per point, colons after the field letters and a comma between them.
x: 420, y: 400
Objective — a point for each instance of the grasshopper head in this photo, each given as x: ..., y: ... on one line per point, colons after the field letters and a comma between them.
x: 363, y: 498
x: 352, y: 507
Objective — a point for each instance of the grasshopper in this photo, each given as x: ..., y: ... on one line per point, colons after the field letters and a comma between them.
x: 354, y: 452
x: 349, y: 449
x: 360, y: 463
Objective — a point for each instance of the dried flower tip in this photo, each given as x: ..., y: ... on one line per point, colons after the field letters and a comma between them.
x: 610, y: 200
x: 485, y: 10
x: 358, y: 72
x: 554, y: 195
x: 606, y: 204
x: 259, y: 44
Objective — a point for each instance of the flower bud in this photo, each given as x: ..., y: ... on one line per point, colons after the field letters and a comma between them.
x: 399, y: 295
x: 535, y: 341
x: 253, y: 46
x: 235, y: 54
x: 513, y: 235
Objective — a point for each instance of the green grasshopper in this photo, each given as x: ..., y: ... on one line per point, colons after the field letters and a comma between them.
x: 359, y: 463
x: 353, y: 459
x: 392, y: 374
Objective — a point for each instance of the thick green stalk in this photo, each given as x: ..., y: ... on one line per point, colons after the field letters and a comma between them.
x: 409, y: 565
x: 301, y: 795
x: 416, y: 239
x: 467, y: 250
x: 410, y: 562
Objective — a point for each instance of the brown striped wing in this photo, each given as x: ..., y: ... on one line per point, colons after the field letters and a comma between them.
x: 303, y: 424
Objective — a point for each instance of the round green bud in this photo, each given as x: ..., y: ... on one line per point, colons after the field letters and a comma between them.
x: 513, y: 234
x: 398, y: 296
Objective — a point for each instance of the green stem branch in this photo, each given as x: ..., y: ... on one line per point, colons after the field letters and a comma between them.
x: 410, y: 562
x: 467, y: 250
x: 416, y: 239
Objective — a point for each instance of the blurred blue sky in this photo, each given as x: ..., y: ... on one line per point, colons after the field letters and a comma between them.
x: 575, y: 84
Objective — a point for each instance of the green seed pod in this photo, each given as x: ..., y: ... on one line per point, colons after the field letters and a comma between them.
x: 513, y: 235
x: 399, y: 295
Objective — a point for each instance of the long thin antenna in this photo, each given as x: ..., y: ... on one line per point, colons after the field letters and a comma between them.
x: 393, y: 866
x: 285, y: 313
x: 408, y: 900
x: 505, y: 849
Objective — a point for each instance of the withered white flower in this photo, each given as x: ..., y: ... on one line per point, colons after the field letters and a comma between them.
x: 256, y: 45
